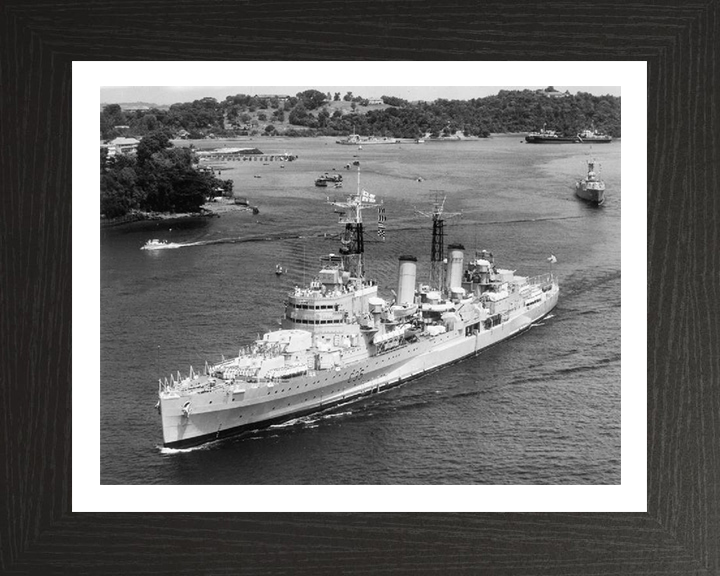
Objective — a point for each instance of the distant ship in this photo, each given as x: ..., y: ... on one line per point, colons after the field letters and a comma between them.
x: 548, y: 137
x: 340, y: 340
x: 551, y: 137
x: 593, y: 137
x: 591, y: 188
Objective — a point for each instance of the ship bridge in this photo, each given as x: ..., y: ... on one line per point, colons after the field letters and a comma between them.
x: 327, y: 306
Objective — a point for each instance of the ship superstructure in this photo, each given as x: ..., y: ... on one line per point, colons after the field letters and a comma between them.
x: 340, y: 340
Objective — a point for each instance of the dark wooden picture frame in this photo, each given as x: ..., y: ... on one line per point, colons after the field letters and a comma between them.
x: 681, y: 530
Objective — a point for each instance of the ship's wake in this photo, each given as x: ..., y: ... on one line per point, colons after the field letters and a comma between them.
x: 271, y: 238
x: 167, y: 246
x: 165, y: 451
x: 311, y: 419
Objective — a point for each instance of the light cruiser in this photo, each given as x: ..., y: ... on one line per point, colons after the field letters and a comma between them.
x: 339, y: 340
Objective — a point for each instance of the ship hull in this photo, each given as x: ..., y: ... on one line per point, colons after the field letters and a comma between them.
x: 224, y: 413
x: 594, y: 196
x: 565, y: 140
x: 364, y: 143
x: 546, y: 140
x: 594, y: 140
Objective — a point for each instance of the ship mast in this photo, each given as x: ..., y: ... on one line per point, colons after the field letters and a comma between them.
x: 438, y: 238
x: 350, y: 214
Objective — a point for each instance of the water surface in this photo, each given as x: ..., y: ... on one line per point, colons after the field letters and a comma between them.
x: 542, y: 408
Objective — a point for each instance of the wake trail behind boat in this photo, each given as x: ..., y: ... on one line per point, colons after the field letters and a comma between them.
x: 295, y: 236
x: 273, y: 238
x: 492, y: 222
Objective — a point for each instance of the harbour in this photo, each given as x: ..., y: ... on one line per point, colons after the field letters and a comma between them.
x: 220, y: 289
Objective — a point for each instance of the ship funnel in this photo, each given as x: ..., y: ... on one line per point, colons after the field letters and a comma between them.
x: 406, y: 280
x: 455, y: 266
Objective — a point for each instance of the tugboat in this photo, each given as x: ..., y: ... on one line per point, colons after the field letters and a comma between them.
x: 591, y: 188
x: 340, y: 340
x: 326, y: 178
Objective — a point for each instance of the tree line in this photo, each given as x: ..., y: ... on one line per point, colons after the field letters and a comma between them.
x: 158, y: 178
x: 313, y: 113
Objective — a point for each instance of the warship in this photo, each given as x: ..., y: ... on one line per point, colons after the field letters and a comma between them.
x: 591, y: 188
x: 339, y: 340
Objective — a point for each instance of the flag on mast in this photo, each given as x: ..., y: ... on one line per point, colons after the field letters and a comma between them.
x: 552, y: 259
x: 381, y: 223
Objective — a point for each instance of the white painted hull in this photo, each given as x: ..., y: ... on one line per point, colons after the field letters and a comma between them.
x: 227, y: 411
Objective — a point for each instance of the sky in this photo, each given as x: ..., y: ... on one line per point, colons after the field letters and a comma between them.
x: 171, y: 94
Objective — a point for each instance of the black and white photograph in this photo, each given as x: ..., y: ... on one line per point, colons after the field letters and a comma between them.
x: 382, y: 285
x: 484, y: 235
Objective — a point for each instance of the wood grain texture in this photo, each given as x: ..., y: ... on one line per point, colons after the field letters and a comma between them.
x: 680, y: 533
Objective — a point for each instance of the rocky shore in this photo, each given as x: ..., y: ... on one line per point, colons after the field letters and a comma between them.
x: 211, y: 209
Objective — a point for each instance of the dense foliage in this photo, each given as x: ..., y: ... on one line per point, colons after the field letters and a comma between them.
x: 313, y: 113
x: 159, y: 177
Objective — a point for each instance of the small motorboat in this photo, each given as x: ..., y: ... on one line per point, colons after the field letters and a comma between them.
x: 154, y: 244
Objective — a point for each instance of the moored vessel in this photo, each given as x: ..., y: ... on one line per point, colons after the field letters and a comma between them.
x: 591, y: 188
x: 544, y: 136
x: 593, y: 137
x: 340, y: 340
x: 326, y: 178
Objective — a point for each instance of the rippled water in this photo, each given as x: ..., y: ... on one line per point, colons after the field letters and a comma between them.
x: 542, y: 408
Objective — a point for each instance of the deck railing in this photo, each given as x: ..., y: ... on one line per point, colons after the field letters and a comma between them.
x: 547, y: 278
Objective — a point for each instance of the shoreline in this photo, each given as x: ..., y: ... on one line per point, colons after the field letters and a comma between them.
x: 212, y: 209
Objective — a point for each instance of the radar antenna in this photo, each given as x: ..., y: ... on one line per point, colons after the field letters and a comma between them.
x: 437, y: 249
